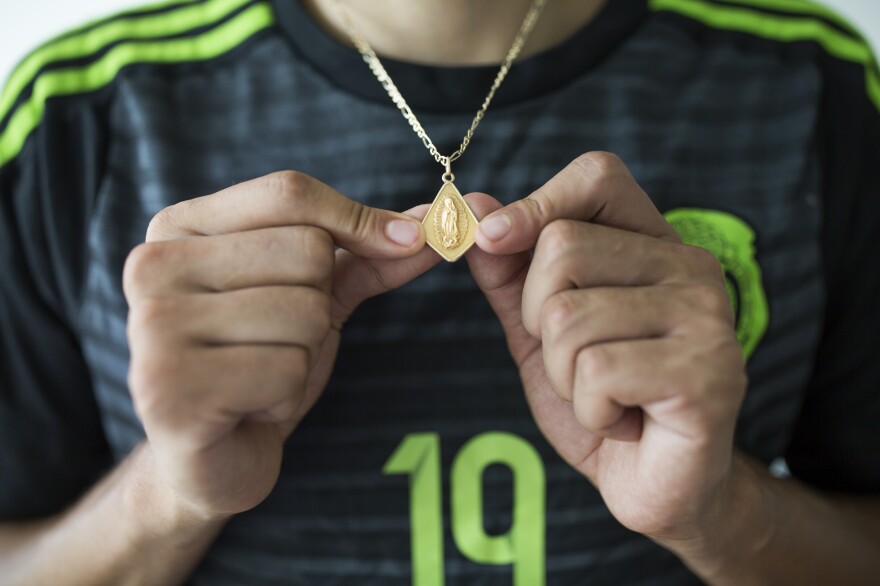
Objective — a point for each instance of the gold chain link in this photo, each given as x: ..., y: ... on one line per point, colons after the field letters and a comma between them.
x: 378, y: 70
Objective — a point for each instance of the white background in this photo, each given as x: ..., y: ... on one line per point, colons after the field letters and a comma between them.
x: 26, y: 23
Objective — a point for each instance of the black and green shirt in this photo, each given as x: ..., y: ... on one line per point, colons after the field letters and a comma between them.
x: 753, y: 124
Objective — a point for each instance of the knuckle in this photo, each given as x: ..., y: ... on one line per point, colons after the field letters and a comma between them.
x: 557, y: 238
x: 292, y: 187
x: 151, y: 378
x: 158, y: 222
x: 154, y: 228
x: 152, y: 314
x: 141, y: 264
x: 557, y: 313
x: 571, y: 265
x: 593, y: 363
x: 600, y: 163
x: 172, y: 216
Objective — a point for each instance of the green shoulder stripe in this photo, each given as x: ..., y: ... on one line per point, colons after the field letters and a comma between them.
x: 127, y: 13
x: 90, y: 40
x: 91, y: 77
x: 781, y: 28
x: 802, y: 8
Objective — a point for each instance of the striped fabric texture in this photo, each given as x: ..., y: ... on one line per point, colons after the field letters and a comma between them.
x: 91, y: 58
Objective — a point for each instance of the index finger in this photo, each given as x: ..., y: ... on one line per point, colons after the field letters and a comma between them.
x: 291, y: 198
x: 595, y: 187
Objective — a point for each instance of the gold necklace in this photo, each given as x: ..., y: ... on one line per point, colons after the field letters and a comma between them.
x: 450, y: 225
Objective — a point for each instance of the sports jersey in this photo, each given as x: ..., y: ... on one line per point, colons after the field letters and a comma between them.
x: 752, y: 124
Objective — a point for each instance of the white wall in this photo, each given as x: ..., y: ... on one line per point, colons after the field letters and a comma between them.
x: 26, y: 23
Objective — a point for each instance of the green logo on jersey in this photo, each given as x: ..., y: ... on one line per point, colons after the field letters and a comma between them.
x: 732, y: 242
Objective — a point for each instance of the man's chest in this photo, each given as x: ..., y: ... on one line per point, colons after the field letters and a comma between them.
x: 423, y: 379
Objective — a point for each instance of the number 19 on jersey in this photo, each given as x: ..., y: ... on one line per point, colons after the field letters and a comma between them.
x: 523, y: 545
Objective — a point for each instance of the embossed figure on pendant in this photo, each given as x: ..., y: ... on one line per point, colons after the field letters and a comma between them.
x: 449, y: 223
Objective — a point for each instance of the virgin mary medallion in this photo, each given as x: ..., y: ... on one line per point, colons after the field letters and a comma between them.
x: 450, y: 225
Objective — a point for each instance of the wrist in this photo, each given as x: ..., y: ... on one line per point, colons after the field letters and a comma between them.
x: 155, y: 510
x: 739, y: 523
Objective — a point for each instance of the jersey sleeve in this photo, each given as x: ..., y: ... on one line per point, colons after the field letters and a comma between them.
x: 52, y: 447
x: 836, y: 442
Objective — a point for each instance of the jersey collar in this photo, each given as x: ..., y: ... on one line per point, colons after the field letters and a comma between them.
x: 461, y: 89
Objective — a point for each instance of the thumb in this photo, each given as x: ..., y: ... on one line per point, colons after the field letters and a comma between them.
x: 356, y: 278
x: 501, y: 278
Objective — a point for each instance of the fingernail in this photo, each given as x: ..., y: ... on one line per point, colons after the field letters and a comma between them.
x: 496, y: 227
x: 402, y: 232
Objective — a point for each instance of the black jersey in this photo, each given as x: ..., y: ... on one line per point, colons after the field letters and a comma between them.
x: 752, y: 124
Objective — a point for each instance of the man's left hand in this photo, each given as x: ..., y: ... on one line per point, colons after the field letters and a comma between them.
x: 625, y: 342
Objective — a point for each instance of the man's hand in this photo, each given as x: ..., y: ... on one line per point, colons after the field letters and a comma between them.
x: 236, y: 303
x: 624, y: 338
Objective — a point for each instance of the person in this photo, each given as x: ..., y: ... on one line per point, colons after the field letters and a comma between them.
x: 449, y: 223
x: 229, y: 359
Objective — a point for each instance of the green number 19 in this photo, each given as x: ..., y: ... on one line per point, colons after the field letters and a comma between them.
x: 418, y: 455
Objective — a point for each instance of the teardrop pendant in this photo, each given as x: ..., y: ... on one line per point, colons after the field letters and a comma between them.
x: 450, y: 225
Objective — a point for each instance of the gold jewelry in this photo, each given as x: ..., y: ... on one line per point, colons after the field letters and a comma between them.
x: 450, y: 225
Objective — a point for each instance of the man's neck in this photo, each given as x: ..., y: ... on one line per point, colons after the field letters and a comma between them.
x: 453, y: 32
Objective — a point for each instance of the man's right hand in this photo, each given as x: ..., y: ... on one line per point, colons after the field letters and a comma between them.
x: 236, y: 304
